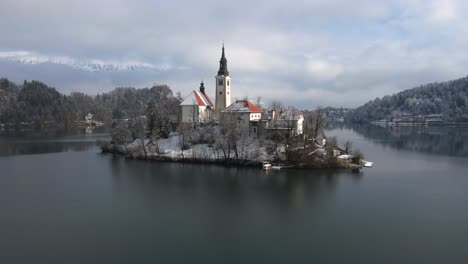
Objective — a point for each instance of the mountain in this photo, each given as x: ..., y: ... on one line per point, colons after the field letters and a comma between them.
x: 25, y: 57
x: 450, y: 99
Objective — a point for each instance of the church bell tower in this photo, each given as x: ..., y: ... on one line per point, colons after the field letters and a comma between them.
x: 223, y: 85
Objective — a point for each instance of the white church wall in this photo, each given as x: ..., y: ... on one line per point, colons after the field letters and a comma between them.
x: 197, y: 114
x: 189, y: 113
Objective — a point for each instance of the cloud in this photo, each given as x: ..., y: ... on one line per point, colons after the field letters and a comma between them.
x: 323, y: 70
x: 443, y: 11
x: 316, y: 52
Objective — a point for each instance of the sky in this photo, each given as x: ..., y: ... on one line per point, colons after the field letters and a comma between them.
x: 302, y: 53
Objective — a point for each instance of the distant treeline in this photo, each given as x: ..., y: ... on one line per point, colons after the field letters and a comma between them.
x: 335, y: 113
x: 447, y: 98
x: 35, y: 102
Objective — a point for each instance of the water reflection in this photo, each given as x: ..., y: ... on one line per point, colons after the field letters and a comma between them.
x: 233, y: 185
x: 49, y: 141
x: 90, y: 206
x: 451, y: 141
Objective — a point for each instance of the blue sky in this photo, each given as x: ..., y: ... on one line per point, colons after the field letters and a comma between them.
x: 304, y: 53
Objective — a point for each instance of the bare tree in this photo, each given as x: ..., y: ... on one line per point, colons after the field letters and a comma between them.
x: 185, y: 140
x: 120, y: 133
x: 258, y: 101
x: 232, y: 131
x: 358, y: 156
x: 138, y: 131
x: 314, y: 124
x: 347, y: 147
x: 151, y: 116
x: 319, y: 122
x: 277, y: 110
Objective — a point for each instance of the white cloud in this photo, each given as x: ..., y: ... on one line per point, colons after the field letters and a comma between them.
x: 443, y: 10
x: 322, y: 70
x: 333, y: 49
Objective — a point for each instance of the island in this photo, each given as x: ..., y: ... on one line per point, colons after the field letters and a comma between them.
x: 218, y: 144
x: 238, y: 132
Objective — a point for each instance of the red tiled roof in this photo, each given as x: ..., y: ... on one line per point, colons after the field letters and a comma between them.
x: 253, y: 108
x: 243, y: 106
x: 199, y: 99
x: 208, y: 99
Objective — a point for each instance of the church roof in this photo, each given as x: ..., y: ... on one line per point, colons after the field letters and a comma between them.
x: 197, y: 98
x: 243, y: 106
x: 202, y: 91
x: 223, y: 65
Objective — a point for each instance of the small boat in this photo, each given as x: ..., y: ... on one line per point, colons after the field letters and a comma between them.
x: 345, y: 157
x: 366, y: 163
x: 266, y: 166
x: 280, y: 167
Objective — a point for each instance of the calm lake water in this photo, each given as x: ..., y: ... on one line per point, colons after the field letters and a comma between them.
x: 61, y: 201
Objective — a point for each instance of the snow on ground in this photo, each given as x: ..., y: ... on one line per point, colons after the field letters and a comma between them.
x: 169, y: 147
x: 249, y: 148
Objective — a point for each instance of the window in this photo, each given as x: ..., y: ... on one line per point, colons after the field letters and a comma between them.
x: 220, y: 92
x: 228, y: 93
x: 220, y: 82
x: 228, y: 82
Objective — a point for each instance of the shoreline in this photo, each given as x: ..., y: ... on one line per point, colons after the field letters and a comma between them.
x: 109, y: 148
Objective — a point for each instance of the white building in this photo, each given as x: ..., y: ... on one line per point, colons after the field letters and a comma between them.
x: 197, y: 107
x: 289, y: 119
x: 242, y: 115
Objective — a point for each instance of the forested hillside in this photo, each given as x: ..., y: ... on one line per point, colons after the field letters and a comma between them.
x: 447, y: 98
x: 35, y: 102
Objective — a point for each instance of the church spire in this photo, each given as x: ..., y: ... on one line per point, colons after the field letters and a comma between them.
x: 223, y: 65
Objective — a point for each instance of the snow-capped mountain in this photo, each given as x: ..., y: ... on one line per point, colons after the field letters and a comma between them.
x: 26, y: 57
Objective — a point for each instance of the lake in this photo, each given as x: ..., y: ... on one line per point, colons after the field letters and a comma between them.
x: 61, y: 201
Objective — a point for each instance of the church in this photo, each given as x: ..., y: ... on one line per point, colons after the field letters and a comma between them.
x: 198, y: 107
